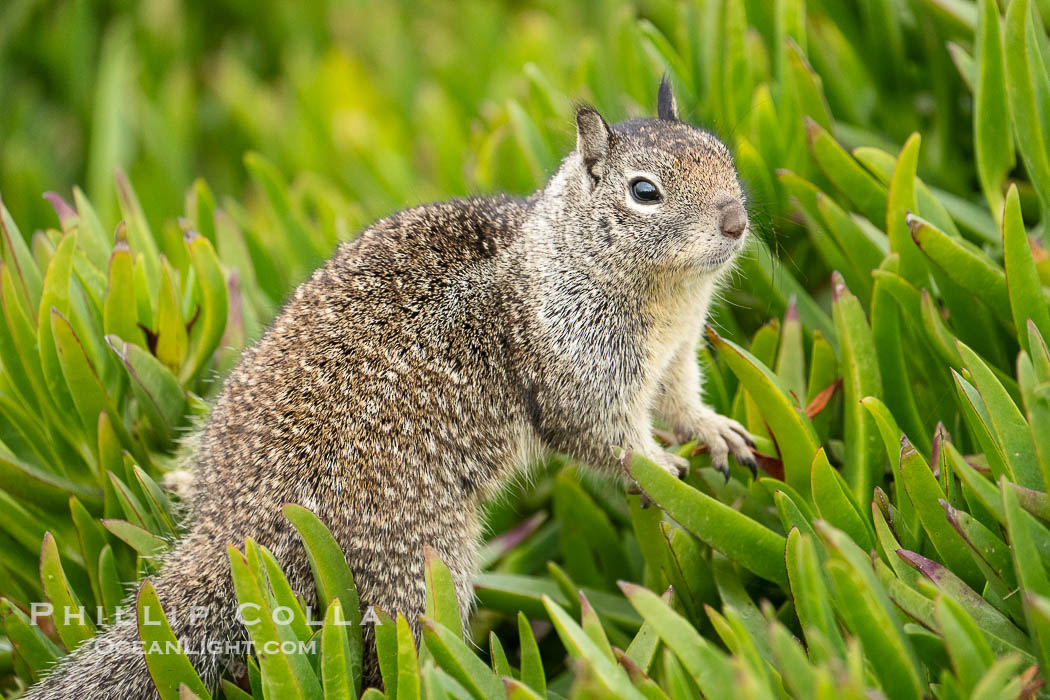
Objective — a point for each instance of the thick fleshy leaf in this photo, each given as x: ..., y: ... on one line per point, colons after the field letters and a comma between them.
x: 531, y: 664
x: 1024, y: 68
x: 1006, y: 423
x: 456, y: 658
x: 869, y: 614
x: 793, y: 430
x: 707, y: 665
x: 993, y: 140
x: 752, y: 545
x: 286, y: 675
x: 861, y: 378
x: 210, y: 322
x: 1024, y: 287
x: 168, y: 665
x: 71, y: 618
x: 332, y: 575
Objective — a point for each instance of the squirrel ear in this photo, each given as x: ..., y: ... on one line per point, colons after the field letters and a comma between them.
x: 666, y: 104
x: 592, y: 140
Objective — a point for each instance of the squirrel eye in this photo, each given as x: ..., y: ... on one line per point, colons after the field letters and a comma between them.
x: 644, y: 191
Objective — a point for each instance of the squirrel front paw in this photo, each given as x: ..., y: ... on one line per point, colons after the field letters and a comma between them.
x: 674, y: 465
x: 722, y: 436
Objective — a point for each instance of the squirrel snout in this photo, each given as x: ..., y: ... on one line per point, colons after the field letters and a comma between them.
x: 734, y: 220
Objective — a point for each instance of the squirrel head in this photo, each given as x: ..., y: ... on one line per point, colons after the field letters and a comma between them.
x: 656, y: 193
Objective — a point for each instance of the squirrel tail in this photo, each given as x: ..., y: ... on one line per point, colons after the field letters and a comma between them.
x: 196, y: 593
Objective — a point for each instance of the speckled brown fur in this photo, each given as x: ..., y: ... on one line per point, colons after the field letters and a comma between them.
x: 429, y: 359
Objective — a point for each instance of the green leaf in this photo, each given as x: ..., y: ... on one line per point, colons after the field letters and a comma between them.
x: 167, y: 662
x: 707, y: 665
x: 1037, y: 406
x: 791, y: 515
x: 753, y: 546
x: 158, y: 502
x: 995, y: 683
x: 130, y: 503
x: 806, y: 84
x: 89, y: 394
x: 459, y: 661
x: 861, y: 378
x: 1027, y: 301
x: 140, y: 238
x: 332, y: 576
x: 16, y: 255
x: 836, y: 504
x: 530, y: 139
x: 901, y: 200
x: 170, y: 328
x: 283, y: 595
x: 386, y: 650
x: 590, y: 544
x: 793, y: 430
x: 92, y: 538
x: 869, y: 614
x: 57, y: 281
x: 1006, y: 422
x: 823, y: 372
x: 791, y: 357
x: 233, y: 692
x: 111, y: 586
x: 520, y: 691
x: 141, y: 540
x: 592, y: 627
x: 893, y: 310
x: 925, y: 493
x: 441, y: 603
x: 34, y: 648
x: 119, y: 317
x: 884, y: 165
x: 407, y: 662
x: 866, y: 193
x: 1021, y: 78
x: 284, y: 675
x: 968, y: 268
x: 794, y: 666
x: 532, y: 673
x: 993, y: 140
x: 812, y: 600
x: 995, y: 624
x: 1031, y: 574
x: 41, y: 488
x: 773, y: 282
x: 211, y: 320
x: 850, y: 235
x: 71, y: 619
x: 498, y: 657
x: 158, y: 390
x: 200, y: 205
x: 642, y: 649
x: 339, y: 674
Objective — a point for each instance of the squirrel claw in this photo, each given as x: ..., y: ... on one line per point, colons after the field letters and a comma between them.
x: 723, y: 469
x: 751, y: 464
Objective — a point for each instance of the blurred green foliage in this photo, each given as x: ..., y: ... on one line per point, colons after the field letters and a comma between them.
x: 898, y: 541
x: 389, y: 102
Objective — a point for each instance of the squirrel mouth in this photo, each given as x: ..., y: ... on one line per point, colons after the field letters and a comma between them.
x: 724, y: 257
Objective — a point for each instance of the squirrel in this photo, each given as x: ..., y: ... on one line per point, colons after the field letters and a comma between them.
x: 419, y: 370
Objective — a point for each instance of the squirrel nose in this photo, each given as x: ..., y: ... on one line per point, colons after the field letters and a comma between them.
x: 734, y: 220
